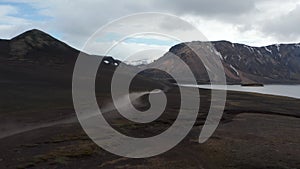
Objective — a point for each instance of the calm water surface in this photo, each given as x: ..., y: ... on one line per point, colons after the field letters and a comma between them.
x: 281, y: 90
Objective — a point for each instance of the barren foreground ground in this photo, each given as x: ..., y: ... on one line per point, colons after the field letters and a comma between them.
x: 256, y: 132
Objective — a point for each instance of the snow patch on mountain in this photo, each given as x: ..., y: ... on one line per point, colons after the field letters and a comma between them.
x: 139, y: 62
x: 249, y: 48
x: 267, y: 49
x: 234, y: 69
x: 218, y: 54
x: 278, y: 47
x: 259, y: 52
x: 239, y: 57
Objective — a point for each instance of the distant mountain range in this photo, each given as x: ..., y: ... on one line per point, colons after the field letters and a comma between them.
x: 274, y: 64
x: 36, y: 55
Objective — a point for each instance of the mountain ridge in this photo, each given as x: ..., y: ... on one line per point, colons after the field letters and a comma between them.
x: 276, y: 63
x: 273, y: 64
x: 35, y: 57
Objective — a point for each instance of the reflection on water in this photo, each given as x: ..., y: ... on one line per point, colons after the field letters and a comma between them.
x: 281, y: 90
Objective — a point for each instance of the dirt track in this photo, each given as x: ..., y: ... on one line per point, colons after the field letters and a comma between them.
x: 245, y: 139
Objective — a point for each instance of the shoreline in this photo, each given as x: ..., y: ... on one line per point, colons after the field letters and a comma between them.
x: 251, y: 89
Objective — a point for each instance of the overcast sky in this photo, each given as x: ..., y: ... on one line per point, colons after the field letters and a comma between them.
x: 253, y: 22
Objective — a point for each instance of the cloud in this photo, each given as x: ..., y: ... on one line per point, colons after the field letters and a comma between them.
x: 9, y: 24
x: 285, y: 27
x: 127, y: 51
x: 207, y: 7
x: 17, y: 17
x: 79, y: 19
x: 254, y: 22
x: 131, y: 49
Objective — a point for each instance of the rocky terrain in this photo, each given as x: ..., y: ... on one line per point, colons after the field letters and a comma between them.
x: 276, y: 64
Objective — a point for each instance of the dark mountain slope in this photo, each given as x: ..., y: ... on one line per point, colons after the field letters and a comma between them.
x: 270, y: 64
x: 36, y: 70
x: 36, y: 55
x: 278, y: 64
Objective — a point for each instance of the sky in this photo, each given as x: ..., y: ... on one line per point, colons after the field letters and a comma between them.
x: 252, y: 22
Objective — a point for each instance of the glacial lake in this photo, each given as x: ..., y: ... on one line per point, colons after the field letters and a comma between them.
x: 280, y: 90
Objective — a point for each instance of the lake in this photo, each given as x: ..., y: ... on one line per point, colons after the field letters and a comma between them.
x: 280, y: 90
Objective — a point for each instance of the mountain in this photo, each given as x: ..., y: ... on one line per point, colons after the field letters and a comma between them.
x: 269, y: 64
x: 35, y: 56
x: 36, y: 70
x: 279, y: 64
